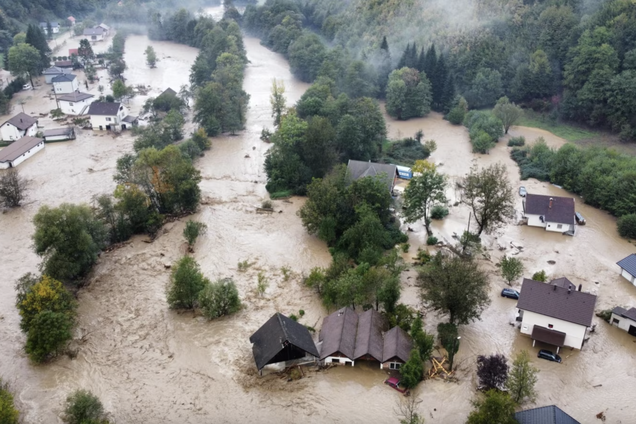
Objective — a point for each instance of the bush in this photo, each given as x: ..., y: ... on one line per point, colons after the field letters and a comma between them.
x: 540, y: 276
x: 190, y: 149
x: 48, y: 333
x: 83, y: 407
x: 431, y: 240
x: 405, y: 247
x: 193, y: 230
x: 605, y: 315
x: 412, y: 371
x: 456, y: 115
x: 423, y: 257
x: 626, y: 225
x: 219, y: 299
x: 517, y: 141
x: 8, y: 413
x: 186, y: 282
x: 35, y: 296
x: 12, y: 188
x: 266, y: 204
x: 439, y: 212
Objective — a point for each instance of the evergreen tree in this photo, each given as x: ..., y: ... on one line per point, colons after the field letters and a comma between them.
x: 448, y: 96
x: 385, y: 45
x: 35, y: 37
x: 438, y: 79
x: 404, y: 58
x: 421, y: 61
x: 431, y: 61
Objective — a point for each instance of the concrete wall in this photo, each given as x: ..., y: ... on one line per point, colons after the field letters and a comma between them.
x: 554, y: 226
x: 25, y: 156
x: 623, y: 323
x: 629, y: 277
x: 534, y: 221
x: 575, y: 333
x: 74, y: 108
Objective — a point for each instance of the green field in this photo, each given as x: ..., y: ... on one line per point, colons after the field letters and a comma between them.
x: 566, y: 131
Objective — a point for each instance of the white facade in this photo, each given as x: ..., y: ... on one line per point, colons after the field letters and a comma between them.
x: 75, y: 108
x: 629, y: 277
x: 110, y: 122
x: 23, y: 157
x: 622, y: 322
x: 574, y: 333
x: 9, y: 132
x: 339, y: 360
x: 65, y: 87
x: 535, y: 221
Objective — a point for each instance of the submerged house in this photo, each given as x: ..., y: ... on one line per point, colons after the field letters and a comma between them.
x: 281, y: 339
x: 544, y: 415
x: 94, y: 34
x: 19, y: 151
x: 65, y: 83
x: 550, y: 212
x: 19, y: 126
x: 338, y: 337
x: 625, y: 319
x: 110, y: 116
x: 360, y: 169
x: 74, y: 103
x: 555, y: 313
x: 628, y: 268
x: 396, y: 348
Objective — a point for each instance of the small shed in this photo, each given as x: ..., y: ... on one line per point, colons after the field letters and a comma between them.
x: 625, y: 319
x: 628, y: 268
x: 281, y: 339
x: 19, y: 151
x: 59, y: 134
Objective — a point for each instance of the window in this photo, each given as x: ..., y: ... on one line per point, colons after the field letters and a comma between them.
x: 335, y: 361
x: 394, y: 366
x: 559, y: 226
x: 550, y: 326
x: 615, y: 321
x: 108, y: 119
x: 70, y: 104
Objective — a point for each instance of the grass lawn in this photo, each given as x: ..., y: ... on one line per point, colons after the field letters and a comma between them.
x: 566, y: 131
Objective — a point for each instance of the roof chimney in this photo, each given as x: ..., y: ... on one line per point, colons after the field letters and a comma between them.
x: 554, y: 287
x: 569, y: 290
x: 551, y: 199
x: 580, y: 287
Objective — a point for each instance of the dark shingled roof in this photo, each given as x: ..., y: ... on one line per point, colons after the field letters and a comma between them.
x: 64, y: 78
x: 58, y: 131
x: 94, y: 31
x: 563, y: 282
x: 369, y: 335
x: 275, y: 335
x: 64, y: 63
x: 397, y: 344
x: 22, y: 121
x: 53, y: 70
x: 359, y: 169
x: 544, y: 415
x: 168, y: 92
x: 557, y: 302
x: 626, y: 313
x: 75, y: 96
x: 562, y: 210
x: 628, y: 264
x: 546, y: 335
x: 338, y: 333
x: 18, y: 148
x: 103, y: 108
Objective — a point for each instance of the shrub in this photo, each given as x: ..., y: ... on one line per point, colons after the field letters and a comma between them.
x: 605, y: 315
x: 219, y: 299
x: 439, y: 212
x: 482, y: 142
x: 412, y: 371
x: 540, y: 276
x: 48, y: 333
x: 244, y: 265
x: 423, y: 257
x: 286, y: 273
x: 517, y: 141
x: 35, y: 296
x: 492, y: 371
x: 193, y: 230
x: 190, y: 149
x: 431, y: 240
x: 262, y: 284
x: 267, y: 204
x: 83, y: 407
x: 186, y: 282
x: 456, y: 115
x: 8, y: 413
x: 293, y: 317
x: 12, y: 188
x: 405, y: 247
x: 301, y: 312
x: 626, y: 225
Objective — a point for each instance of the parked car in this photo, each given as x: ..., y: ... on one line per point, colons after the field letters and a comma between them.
x: 510, y: 293
x: 546, y: 354
x: 579, y: 218
x: 522, y: 191
x: 27, y: 86
x: 395, y: 383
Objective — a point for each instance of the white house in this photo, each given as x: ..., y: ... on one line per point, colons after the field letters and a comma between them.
x: 65, y: 83
x: 550, y: 212
x: 625, y: 319
x: 74, y: 103
x: 19, y: 151
x: 105, y: 27
x: 94, y: 34
x: 555, y: 313
x: 53, y: 72
x: 19, y: 126
x: 110, y: 116
x: 55, y: 27
x: 628, y: 268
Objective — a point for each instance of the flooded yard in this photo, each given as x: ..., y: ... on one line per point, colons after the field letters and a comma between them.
x: 150, y: 364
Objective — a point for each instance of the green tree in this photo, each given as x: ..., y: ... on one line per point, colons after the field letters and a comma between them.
x: 119, y: 89
x: 627, y: 226
x: 8, y: 413
x: 35, y: 37
x: 495, y: 408
x: 306, y: 55
x: 508, y: 113
x: 456, y: 286
x: 12, y: 188
x: 421, y: 194
x: 448, y: 336
x: 151, y: 57
x: 68, y: 238
x: 408, y: 94
x: 19, y: 38
x: 24, y: 59
x: 511, y: 268
x: 49, y: 30
x: 540, y: 276
x: 48, y: 333
x: 486, y: 88
x: 85, y: 51
x: 490, y: 197
x: 277, y: 100
x: 37, y: 295
x: 492, y: 371
x: 522, y: 378
x: 423, y: 342
x: 219, y: 299
x: 192, y: 231
x: 83, y: 407
x: 412, y: 371
x: 186, y: 282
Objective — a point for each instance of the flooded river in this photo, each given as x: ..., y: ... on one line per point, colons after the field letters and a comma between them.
x: 150, y: 364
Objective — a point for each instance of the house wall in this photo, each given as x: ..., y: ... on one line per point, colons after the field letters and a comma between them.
x: 25, y: 156
x: 554, y: 226
x: 623, y: 323
x: 387, y: 365
x: 575, y: 333
x: 95, y: 37
x: 74, y: 108
x: 9, y: 132
x: 534, y: 221
x: 629, y: 277
x: 336, y: 359
x: 57, y: 138
x: 66, y: 87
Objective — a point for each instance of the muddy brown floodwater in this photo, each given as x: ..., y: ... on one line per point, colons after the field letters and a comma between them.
x: 150, y: 364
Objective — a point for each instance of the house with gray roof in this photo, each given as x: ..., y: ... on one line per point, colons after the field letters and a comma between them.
x: 387, y: 173
x: 65, y: 83
x: 544, y: 415
x: 19, y: 126
x: 19, y: 151
x: 95, y: 34
x: 281, y: 339
x: 369, y: 342
x: 110, y: 116
x: 396, y: 348
x: 550, y: 212
x: 53, y: 72
x: 337, y: 337
x: 555, y: 313
x: 628, y: 268
x: 75, y: 103
x: 625, y: 319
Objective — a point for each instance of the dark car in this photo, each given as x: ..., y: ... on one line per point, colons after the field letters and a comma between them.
x: 510, y: 293
x: 546, y: 354
x: 395, y: 383
x: 579, y: 218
